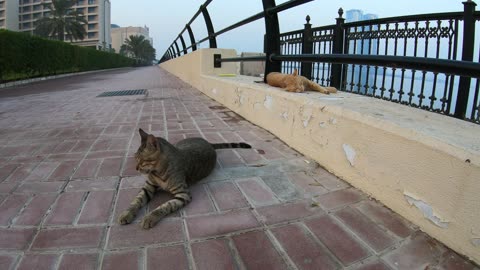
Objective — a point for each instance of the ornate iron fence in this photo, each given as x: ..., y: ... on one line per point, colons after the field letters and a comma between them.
x: 424, y: 61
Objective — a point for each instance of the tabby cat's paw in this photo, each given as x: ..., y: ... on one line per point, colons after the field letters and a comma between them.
x: 149, y: 221
x: 126, y: 217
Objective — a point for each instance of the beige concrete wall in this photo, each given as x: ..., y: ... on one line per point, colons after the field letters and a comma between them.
x: 422, y: 165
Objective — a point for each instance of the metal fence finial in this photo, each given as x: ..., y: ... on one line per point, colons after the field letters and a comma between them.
x: 340, y: 12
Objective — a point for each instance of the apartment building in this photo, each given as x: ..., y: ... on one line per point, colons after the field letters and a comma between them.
x: 9, y: 14
x: 120, y: 34
x: 96, y: 12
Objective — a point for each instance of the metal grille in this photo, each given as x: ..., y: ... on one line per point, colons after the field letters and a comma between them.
x: 123, y: 93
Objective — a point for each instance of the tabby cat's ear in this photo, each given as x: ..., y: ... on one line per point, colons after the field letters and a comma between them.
x: 143, y: 135
x: 295, y: 72
x: 152, y: 143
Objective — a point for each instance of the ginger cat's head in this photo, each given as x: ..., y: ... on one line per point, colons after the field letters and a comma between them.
x: 294, y: 83
x: 147, y: 155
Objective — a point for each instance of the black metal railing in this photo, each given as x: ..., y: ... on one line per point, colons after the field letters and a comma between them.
x: 424, y: 61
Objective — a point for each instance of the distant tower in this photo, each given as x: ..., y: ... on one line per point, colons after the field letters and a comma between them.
x: 354, y: 15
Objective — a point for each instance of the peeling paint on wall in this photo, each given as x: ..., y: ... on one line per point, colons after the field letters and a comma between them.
x: 284, y: 115
x: 322, y: 124
x: 268, y: 102
x: 306, y: 114
x: 426, y: 210
x: 214, y: 91
x: 349, y: 153
x: 332, y: 120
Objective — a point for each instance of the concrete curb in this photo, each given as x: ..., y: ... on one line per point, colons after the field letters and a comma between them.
x: 39, y: 79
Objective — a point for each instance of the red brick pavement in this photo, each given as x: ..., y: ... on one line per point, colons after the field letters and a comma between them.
x: 67, y: 171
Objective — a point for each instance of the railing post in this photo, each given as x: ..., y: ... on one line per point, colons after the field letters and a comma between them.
x: 272, y: 33
x: 338, y: 43
x: 192, y: 37
x: 208, y: 23
x: 467, y: 55
x: 307, y: 48
x: 178, y: 49
x: 172, y: 52
x: 183, y: 45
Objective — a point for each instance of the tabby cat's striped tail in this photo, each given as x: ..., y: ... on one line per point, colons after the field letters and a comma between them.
x: 230, y: 145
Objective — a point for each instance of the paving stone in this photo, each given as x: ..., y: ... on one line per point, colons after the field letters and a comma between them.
x: 302, y: 249
x: 166, y: 258
x: 219, y: 224
x: 340, y: 198
x: 7, y: 187
x: 39, y: 187
x: 85, y: 261
x: 257, y: 192
x: 129, y: 167
x: 307, y: 184
x: 92, y: 185
x: 122, y: 260
x: 7, y: 261
x: 227, y: 196
x: 376, y: 265
x: 64, y: 171
x: 228, y: 158
x: 133, y: 182
x: 328, y: 180
x: 11, y: 206
x: 6, y: 170
x: 65, y: 209
x: 132, y: 235
x: 16, y: 239
x: 21, y: 172
x: 285, y: 212
x: 421, y: 252
x: 338, y: 240
x: 213, y: 254
x: 64, y: 238
x: 37, y: 261
x: 452, y: 261
x: 364, y: 228
x: 42, y: 171
x: 282, y: 187
x: 257, y: 251
x: 35, y: 210
x: 97, y: 207
x: 87, y: 168
x: 386, y: 218
x: 201, y: 203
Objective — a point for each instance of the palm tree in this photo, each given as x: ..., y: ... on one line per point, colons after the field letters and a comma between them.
x: 139, y: 48
x: 63, y: 20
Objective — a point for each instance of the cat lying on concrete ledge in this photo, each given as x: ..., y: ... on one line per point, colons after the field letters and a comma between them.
x: 296, y: 83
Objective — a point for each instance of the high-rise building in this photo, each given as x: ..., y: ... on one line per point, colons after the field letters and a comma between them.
x: 9, y: 14
x: 362, y: 46
x: 96, y: 12
x: 120, y: 34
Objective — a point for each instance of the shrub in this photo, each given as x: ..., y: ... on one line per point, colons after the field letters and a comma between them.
x: 25, y: 56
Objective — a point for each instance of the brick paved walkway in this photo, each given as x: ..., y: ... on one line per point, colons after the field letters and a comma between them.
x: 67, y: 171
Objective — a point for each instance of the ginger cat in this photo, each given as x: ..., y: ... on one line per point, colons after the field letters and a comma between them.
x: 296, y: 83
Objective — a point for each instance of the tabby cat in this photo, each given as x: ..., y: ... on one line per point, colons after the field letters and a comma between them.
x: 296, y: 83
x: 173, y: 169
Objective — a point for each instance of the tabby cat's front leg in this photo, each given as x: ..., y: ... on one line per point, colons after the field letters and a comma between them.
x: 181, y: 198
x: 143, y: 197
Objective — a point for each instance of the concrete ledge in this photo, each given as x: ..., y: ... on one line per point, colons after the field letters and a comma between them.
x: 422, y: 165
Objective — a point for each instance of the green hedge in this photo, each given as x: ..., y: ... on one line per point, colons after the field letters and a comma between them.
x: 25, y: 56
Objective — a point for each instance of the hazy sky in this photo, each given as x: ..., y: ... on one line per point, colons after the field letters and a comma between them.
x: 166, y: 18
